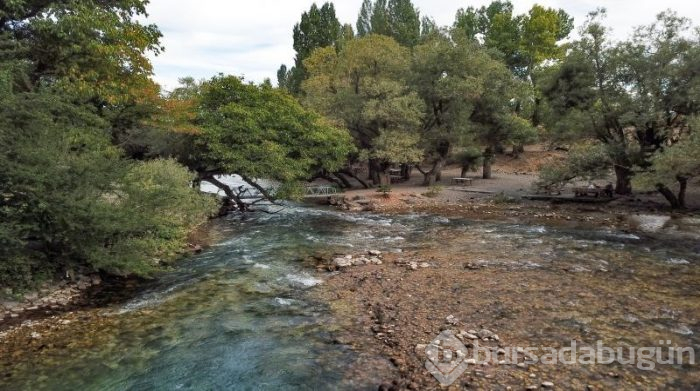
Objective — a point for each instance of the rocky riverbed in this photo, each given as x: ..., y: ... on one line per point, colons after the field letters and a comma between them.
x: 558, y: 278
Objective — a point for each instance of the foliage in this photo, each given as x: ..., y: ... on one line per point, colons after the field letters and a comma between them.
x: 522, y: 41
x: 469, y: 158
x: 434, y: 191
x: 586, y: 161
x: 95, y: 49
x: 260, y: 132
x: 398, y: 19
x: 672, y: 166
x: 395, y: 146
x: 70, y: 200
x: 385, y: 190
x: 363, y: 88
x: 634, y: 97
x: 318, y: 28
x: 677, y: 160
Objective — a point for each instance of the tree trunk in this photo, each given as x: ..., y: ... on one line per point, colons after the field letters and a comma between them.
x: 668, y: 194
x: 430, y: 177
x: 465, y: 169
x: 375, y: 171
x: 488, y: 159
x: 683, y: 182
x: 517, y: 150
x: 230, y: 196
x: 352, y: 175
x: 406, y: 171
x: 345, y: 182
x: 624, y: 180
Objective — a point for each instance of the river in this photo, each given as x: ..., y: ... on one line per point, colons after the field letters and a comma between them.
x: 240, y: 316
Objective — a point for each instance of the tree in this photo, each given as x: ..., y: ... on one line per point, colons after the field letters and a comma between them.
x: 364, y: 19
x: 364, y: 88
x: 380, y: 19
x: 405, y: 22
x: 259, y: 132
x: 70, y: 201
x: 319, y: 27
x: 398, y: 19
x: 634, y: 97
x: 467, y: 95
x: 102, y: 59
x: 673, y: 166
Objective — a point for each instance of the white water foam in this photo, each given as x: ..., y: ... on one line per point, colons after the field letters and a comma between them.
x: 303, y: 278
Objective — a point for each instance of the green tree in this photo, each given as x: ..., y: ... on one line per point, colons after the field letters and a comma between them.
x: 70, y: 201
x: 259, y: 132
x: 673, y: 167
x: 405, y: 22
x: 467, y: 95
x: 398, y: 19
x: 632, y: 97
x: 319, y: 27
x: 364, y: 88
x: 364, y: 19
x: 94, y: 48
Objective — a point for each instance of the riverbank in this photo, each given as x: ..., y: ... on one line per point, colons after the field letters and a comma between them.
x: 400, y: 306
x: 82, y: 290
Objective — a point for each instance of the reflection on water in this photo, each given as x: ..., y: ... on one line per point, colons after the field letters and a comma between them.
x: 238, y: 317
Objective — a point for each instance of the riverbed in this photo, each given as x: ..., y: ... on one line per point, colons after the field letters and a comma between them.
x: 250, y: 313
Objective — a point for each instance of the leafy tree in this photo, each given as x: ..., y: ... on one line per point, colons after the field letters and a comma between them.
x: 467, y: 95
x: 71, y: 202
x: 673, y: 166
x: 364, y: 19
x: 633, y: 97
x: 259, y: 132
x: 405, y: 22
x: 380, y: 19
x: 469, y: 159
x: 93, y: 48
x: 523, y: 42
x: 398, y: 19
x: 364, y: 88
x: 319, y: 27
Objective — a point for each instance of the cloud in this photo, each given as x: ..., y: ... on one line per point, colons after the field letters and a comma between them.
x: 253, y: 38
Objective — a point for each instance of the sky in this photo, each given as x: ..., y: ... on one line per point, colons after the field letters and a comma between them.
x: 253, y: 38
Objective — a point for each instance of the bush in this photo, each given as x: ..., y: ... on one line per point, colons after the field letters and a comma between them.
x: 434, y: 191
x: 385, y: 190
x: 70, y: 200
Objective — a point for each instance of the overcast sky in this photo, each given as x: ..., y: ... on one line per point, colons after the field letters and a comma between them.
x: 252, y: 38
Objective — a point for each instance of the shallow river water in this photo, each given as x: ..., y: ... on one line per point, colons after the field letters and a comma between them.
x: 239, y: 316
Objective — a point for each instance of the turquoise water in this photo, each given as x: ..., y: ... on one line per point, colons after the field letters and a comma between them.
x: 239, y: 315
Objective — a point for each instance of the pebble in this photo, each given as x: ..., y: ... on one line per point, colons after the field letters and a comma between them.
x: 451, y: 320
x: 374, y: 253
x: 548, y: 384
x: 484, y: 333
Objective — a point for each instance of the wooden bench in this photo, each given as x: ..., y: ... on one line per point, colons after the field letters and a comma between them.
x: 596, y: 192
x: 462, y: 181
x: 395, y: 178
